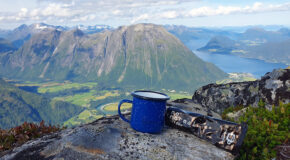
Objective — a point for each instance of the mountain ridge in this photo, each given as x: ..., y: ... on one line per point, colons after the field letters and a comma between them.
x: 143, y: 55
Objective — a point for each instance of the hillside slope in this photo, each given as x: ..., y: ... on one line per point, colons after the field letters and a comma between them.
x: 6, y: 46
x: 17, y: 106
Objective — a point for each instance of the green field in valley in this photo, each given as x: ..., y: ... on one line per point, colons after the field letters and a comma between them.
x: 98, y: 101
x: 95, y: 101
x: 84, y: 99
x: 178, y: 95
x: 57, y: 87
x: 88, y: 115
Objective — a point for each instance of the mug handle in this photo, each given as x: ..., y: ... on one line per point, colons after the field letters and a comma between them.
x: 119, y: 109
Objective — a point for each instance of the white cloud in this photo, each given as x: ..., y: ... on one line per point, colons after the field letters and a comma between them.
x: 83, y: 18
x: 58, y: 10
x: 226, y: 10
x: 116, y: 12
x: 128, y: 11
x: 34, y: 12
x: 23, y: 12
x: 169, y: 15
x: 48, y: 12
x: 140, y: 18
x: 207, y: 11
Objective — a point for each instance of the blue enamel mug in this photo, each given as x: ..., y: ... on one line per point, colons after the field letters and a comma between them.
x: 148, y: 111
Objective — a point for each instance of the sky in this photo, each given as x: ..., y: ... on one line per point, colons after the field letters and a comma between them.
x: 209, y: 13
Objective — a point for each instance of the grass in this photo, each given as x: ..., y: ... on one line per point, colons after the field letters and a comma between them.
x: 108, y: 94
x: 114, y: 106
x: 174, y: 96
x: 84, y: 99
x: 57, y: 87
x: 85, y: 114
x: 84, y: 117
x: 72, y: 122
x: 90, y: 115
x: 229, y: 80
x: 46, y: 84
x: 236, y: 77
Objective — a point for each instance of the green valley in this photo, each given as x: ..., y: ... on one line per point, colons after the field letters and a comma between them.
x: 18, y: 105
x: 94, y: 100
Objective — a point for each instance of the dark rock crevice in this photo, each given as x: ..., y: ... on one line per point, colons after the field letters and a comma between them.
x: 124, y: 44
x: 105, y: 46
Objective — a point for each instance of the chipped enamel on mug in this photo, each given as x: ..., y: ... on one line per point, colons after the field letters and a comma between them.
x: 148, y: 111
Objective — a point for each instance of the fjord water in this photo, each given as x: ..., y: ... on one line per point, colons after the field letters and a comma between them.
x: 231, y: 63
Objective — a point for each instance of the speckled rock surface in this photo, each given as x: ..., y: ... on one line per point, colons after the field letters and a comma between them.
x: 112, y: 138
x: 190, y: 105
x: 272, y: 87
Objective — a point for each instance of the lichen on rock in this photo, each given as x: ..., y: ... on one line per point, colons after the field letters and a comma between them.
x: 272, y: 88
x: 112, y: 138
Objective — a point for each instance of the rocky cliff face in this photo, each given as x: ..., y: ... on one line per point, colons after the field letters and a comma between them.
x: 112, y: 138
x: 6, y: 46
x: 272, y: 88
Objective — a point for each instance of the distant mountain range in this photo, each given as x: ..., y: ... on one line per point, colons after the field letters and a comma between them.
x: 142, y: 56
x: 17, y: 106
x: 194, y: 37
x: 22, y: 33
x: 94, y: 29
x: 271, y: 46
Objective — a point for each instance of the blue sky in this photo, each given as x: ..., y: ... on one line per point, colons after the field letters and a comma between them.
x: 212, y: 13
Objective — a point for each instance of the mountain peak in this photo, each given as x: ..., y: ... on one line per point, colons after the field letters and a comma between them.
x: 141, y: 55
x: 145, y: 26
x: 141, y: 27
x: 39, y: 26
x: 21, y: 27
x: 78, y: 33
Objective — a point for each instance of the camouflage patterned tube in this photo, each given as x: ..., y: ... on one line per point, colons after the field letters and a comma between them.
x: 223, y: 134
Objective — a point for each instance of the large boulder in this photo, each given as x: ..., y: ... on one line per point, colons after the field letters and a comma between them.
x: 272, y: 88
x: 191, y: 106
x: 112, y: 138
